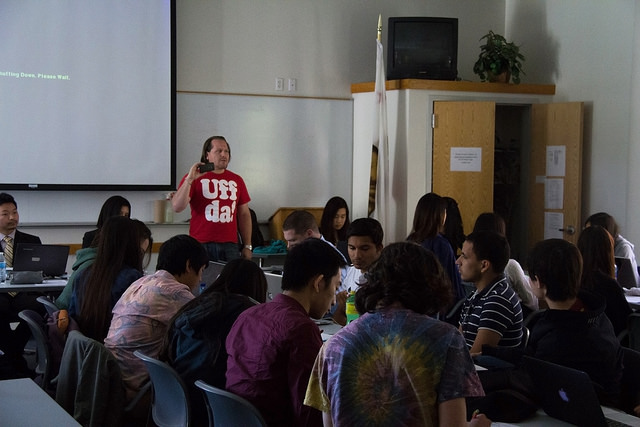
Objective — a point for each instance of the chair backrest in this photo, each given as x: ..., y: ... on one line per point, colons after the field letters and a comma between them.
x: 525, y: 337
x: 170, y: 405
x: 630, y: 384
x: 228, y: 409
x: 90, y: 383
x: 532, y: 318
x: 633, y: 328
x: 453, y: 316
x: 35, y: 321
x: 48, y: 304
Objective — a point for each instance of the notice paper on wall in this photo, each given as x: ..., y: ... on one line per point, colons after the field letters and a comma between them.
x: 556, y: 160
x: 466, y: 159
x: 553, y: 193
x: 553, y: 224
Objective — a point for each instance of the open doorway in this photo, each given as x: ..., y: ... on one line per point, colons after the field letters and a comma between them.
x: 511, y: 172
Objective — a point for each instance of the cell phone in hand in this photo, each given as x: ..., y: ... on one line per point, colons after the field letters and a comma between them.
x: 207, y: 167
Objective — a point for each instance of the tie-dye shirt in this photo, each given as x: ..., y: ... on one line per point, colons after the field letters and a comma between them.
x: 392, y: 367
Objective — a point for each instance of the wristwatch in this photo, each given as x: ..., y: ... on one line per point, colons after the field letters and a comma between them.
x: 249, y: 247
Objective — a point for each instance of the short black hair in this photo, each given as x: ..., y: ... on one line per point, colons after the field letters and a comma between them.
x: 366, y: 227
x: 175, y: 252
x: 491, y: 246
x: 309, y: 259
x: 7, y: 198
x: 557, y: 264
x: 300, y: 221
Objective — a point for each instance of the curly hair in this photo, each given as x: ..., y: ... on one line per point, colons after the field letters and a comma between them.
x: 407, y: 274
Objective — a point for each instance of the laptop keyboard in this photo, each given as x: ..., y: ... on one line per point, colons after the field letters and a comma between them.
x: 614, y: 423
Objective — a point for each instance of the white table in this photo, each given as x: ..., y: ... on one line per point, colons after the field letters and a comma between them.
x: 23, y: 403
x: 634, y: 301
x: 46, y: 286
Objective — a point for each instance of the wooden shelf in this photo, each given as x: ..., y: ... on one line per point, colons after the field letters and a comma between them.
x: 459, y: 86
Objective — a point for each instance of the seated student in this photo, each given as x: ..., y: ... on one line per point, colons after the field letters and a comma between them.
x: 12, y: 342
x: 453, y: 229
x: 492, y: 314
x: 118, y: 263
x: 272, y: 346
x: 598, y: 274
x: 301, y: 225
x: 574, y: 331
x: 395, y: 364
x: 622, y: 247
x: 490, y: 221
x: 364, y: 243
x: 113, y: 206
x: 196, y: 337
x: 335, y: 222
x: 141, y: 316
x: 86, y: 257
x: 428, y: 223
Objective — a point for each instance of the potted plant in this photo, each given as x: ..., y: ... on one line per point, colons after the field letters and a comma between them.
x: 499, y: 60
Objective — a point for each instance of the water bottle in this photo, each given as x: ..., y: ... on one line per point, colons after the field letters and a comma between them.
x: 3, y: 268
x: 352, y: 313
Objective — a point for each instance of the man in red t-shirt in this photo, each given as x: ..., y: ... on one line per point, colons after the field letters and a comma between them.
x: 219, y: 203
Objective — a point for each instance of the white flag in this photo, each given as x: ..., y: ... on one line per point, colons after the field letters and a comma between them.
x: 379, y: 190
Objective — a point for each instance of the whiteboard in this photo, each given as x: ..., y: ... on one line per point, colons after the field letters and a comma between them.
x: 290, y: 151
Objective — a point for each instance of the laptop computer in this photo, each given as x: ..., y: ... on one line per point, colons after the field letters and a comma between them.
x: 211, y: 273
x: 568, y: 395
x: 50, y: 259
x: 274, y: 285
x: 625, y: 274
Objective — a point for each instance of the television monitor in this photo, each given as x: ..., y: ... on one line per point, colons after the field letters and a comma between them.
x: 422, y: 48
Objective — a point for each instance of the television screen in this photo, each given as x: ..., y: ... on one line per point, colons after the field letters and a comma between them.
x: 422, y: 48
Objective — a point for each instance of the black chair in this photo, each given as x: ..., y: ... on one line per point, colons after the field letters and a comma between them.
x: 48, y: 305
x: 525, y: 337
x: 453, y: 315
x: 90, y: 385
x: 630, y: 385
x: 36, y: 324
x: 532, y: 318
x: 633, y: 331
x: 170, y: 405
x: 228, y: 409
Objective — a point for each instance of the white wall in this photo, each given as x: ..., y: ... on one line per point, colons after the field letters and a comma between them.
x: 586, y: 47
x: 241, y: 46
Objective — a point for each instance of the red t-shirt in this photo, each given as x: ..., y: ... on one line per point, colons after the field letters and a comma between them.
x: 214, y: 205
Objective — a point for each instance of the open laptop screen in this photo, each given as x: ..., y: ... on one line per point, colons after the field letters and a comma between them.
x: 50, y: 259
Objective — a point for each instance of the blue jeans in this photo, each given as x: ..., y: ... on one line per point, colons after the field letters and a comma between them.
x: 223, y: 252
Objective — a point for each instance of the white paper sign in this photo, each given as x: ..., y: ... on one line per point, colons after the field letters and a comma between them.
x: 553, y: 222
x: 553, y: 193
x: 466, y: 159
x: 556, y: 160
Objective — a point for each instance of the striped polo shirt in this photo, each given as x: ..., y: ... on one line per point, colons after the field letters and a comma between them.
x: 496, y: 308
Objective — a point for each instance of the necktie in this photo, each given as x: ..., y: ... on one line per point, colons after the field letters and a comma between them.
x: 8, y: 251
x: 8, y: 256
